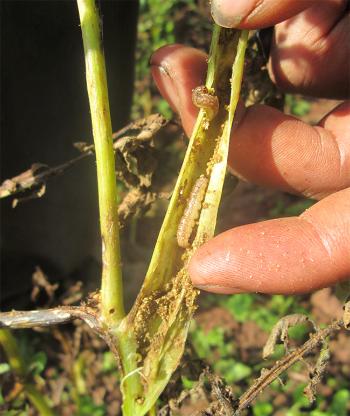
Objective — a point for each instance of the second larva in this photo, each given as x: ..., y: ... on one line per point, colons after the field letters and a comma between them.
x: 191, y: 212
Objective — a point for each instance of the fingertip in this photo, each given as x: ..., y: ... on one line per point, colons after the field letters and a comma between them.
x: 283, y: 256
x: 221, y: 290
x: 163, y: 53
x: 255, y: 14
x: 165, y: 86
x: 273, y: 149
x: 198, y: 271
x: 230, y: 14
x: 177, y: 70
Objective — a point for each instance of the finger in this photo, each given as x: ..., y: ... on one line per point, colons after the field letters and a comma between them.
x: 177, y: 70
x: 253, y: 14
x: 267, y: 147
x: 275, y: 150
x: 287, y: 256
x: 310, y: 53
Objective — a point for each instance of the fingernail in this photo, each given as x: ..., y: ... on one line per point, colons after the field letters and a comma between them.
x: 228, y: 13
x: 166, y: 85
x: 220, y: 289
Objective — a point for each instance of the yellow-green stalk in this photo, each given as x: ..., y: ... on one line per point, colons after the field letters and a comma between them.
x: 112, y: 307
x: 152, y: 336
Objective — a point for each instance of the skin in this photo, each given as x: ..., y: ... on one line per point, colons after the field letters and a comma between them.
x: 310, y: 54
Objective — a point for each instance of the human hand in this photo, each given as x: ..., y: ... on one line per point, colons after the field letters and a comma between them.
x: 310, y: 54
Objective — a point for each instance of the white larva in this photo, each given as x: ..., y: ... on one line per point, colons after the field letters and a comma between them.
x: 191, y: 212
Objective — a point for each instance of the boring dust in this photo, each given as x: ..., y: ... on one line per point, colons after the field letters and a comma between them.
x: 156, y: 313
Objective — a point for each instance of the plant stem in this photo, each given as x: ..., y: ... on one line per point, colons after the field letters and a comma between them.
x: 10, y: 347
x: 153, y: 410
x: 112, y: 307
x: 38, y: 400
x: 19, y: 368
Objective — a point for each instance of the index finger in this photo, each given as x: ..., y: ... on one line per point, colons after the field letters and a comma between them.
x: 255, y: 14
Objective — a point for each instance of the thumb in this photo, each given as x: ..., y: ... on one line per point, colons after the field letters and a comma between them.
x: 286, y: 255
x: 177, y: 70
x: 254, y: 14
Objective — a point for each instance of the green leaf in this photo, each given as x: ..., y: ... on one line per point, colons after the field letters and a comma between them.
x: 87, y: 407
x: 38, y: 363
x: 232, y: 371
x: 281, y: 209
x: 298, y: 332
x: 298, y: 106
x: 264, y: 317
x: 164, y: 108
x: 187, y: 383
x: 298, y: 208
x: 108, y: 362
x: 332, y: 383
x: 204, y: 342
x: 4, y: 368
x: 262, y: 409
x: 340, y: 402
x: 299, y: 401
x: 240, y: 306
x: 281, y: 304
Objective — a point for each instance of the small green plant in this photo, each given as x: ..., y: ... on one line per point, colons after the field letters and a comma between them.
x: 25, y: 371
x: 220, y: 349
x: 87, y: 407
x: 262, y: 409
x: 265, y: 313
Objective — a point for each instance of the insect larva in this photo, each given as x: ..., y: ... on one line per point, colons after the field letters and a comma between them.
x: 191, y: 212
x: 202, y: 98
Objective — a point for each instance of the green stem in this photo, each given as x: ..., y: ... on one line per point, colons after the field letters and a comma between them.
x: 19, y: 368
x: 153, y: 410
x: 10, y: 347
x: 38, y: 400
x: 112, y: 307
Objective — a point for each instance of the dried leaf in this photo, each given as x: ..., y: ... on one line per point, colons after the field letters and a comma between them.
x: 317, y: 373
x: 40, y: 281
x: 280, y: 331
